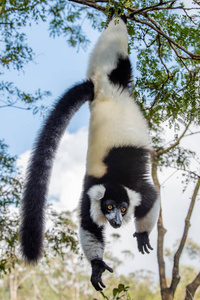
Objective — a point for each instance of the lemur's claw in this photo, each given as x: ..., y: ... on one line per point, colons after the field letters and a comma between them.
x: 98, y: 267
x: 143, y: 242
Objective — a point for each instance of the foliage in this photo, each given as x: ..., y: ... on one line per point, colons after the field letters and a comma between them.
x: 60, y: 237
x: 192, y: 249
x: 10, y: 181
x: 121, y: 292
x: 15, y: 52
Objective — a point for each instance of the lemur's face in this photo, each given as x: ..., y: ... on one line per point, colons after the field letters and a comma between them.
x: 114, y: 212
x: 111, y: 200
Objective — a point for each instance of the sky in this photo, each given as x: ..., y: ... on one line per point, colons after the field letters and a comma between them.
x: 57, y: 67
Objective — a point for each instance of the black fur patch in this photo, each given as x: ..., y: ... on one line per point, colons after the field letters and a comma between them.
x: 122, y: 74
x: 128, y: 166
x: 114, y: 192
x: 149, y: 195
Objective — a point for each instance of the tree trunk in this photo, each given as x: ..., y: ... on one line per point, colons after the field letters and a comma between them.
x: 164, y: 290
x: 167, y: 292
x: 13, y: 285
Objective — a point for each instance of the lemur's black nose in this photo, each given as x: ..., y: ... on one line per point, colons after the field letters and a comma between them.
x: 115, y: 224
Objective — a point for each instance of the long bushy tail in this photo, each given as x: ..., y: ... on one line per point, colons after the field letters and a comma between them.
x: 40, y: 166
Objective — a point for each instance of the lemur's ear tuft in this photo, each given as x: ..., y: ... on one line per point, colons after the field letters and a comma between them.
x: 134, y: 197
x: 96, y: 192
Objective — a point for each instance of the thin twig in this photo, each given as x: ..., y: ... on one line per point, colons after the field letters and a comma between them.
x: 150, y: 8
x: 14, y: 106
x: 161, y: 152
x: 159, y: 54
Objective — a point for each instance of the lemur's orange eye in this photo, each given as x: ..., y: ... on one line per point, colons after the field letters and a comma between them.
x: 123, y: 209
x: 110, y: 207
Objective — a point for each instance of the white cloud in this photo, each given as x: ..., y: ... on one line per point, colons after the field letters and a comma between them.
x: 22, y: 161
x: 69, y: 169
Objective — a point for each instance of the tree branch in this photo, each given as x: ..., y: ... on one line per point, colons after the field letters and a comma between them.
x: 161, y: 230
x: 153, y: 7
x: 90, y: 3
x: 23, y: 279
x: 160, y: 56
x: 193, y: 173
x: 155, y: 26
x: 37, y: 292
x: 14, y: 106
x: 56, y: 291
x: 192, y: 133
x: 192, y: 287
x: 175, y: 272
x: 161, y: 152
x: 186, y: 135
x: 160, y: 254
x: 152, y: 24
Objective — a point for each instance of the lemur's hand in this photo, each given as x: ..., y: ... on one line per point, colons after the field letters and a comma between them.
x: 143, y: 242
x: 98, y: 267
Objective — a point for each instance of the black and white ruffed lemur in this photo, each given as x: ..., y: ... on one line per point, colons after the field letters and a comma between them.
x: 117, y: 184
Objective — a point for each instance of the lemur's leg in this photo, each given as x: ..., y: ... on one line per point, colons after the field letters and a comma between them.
x: 122, y: 74
x: 111, y: 46
x: 146, y: 216
x: 92, y: 242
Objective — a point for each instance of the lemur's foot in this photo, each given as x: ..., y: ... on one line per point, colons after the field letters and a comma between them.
x: 112, y: 13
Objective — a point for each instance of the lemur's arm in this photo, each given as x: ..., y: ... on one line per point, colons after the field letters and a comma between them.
x: 146, y: 216
x: 92, y: 242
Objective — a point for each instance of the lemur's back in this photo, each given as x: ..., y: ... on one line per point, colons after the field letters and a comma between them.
x: 115, y: 117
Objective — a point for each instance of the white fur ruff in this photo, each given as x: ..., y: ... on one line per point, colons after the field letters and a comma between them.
x: 135, y: 200
x: 96, y: 193
x: 95, y: 204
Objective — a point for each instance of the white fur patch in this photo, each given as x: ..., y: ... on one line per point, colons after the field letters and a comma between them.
x: 135, y: 200
x: 113, y: 41
x: 148, y: 222
x: 116, y: 120
x: 92, y: 247
x: 96, y: 192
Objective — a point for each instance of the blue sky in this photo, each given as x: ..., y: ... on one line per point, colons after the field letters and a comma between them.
x: 56, y: 67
